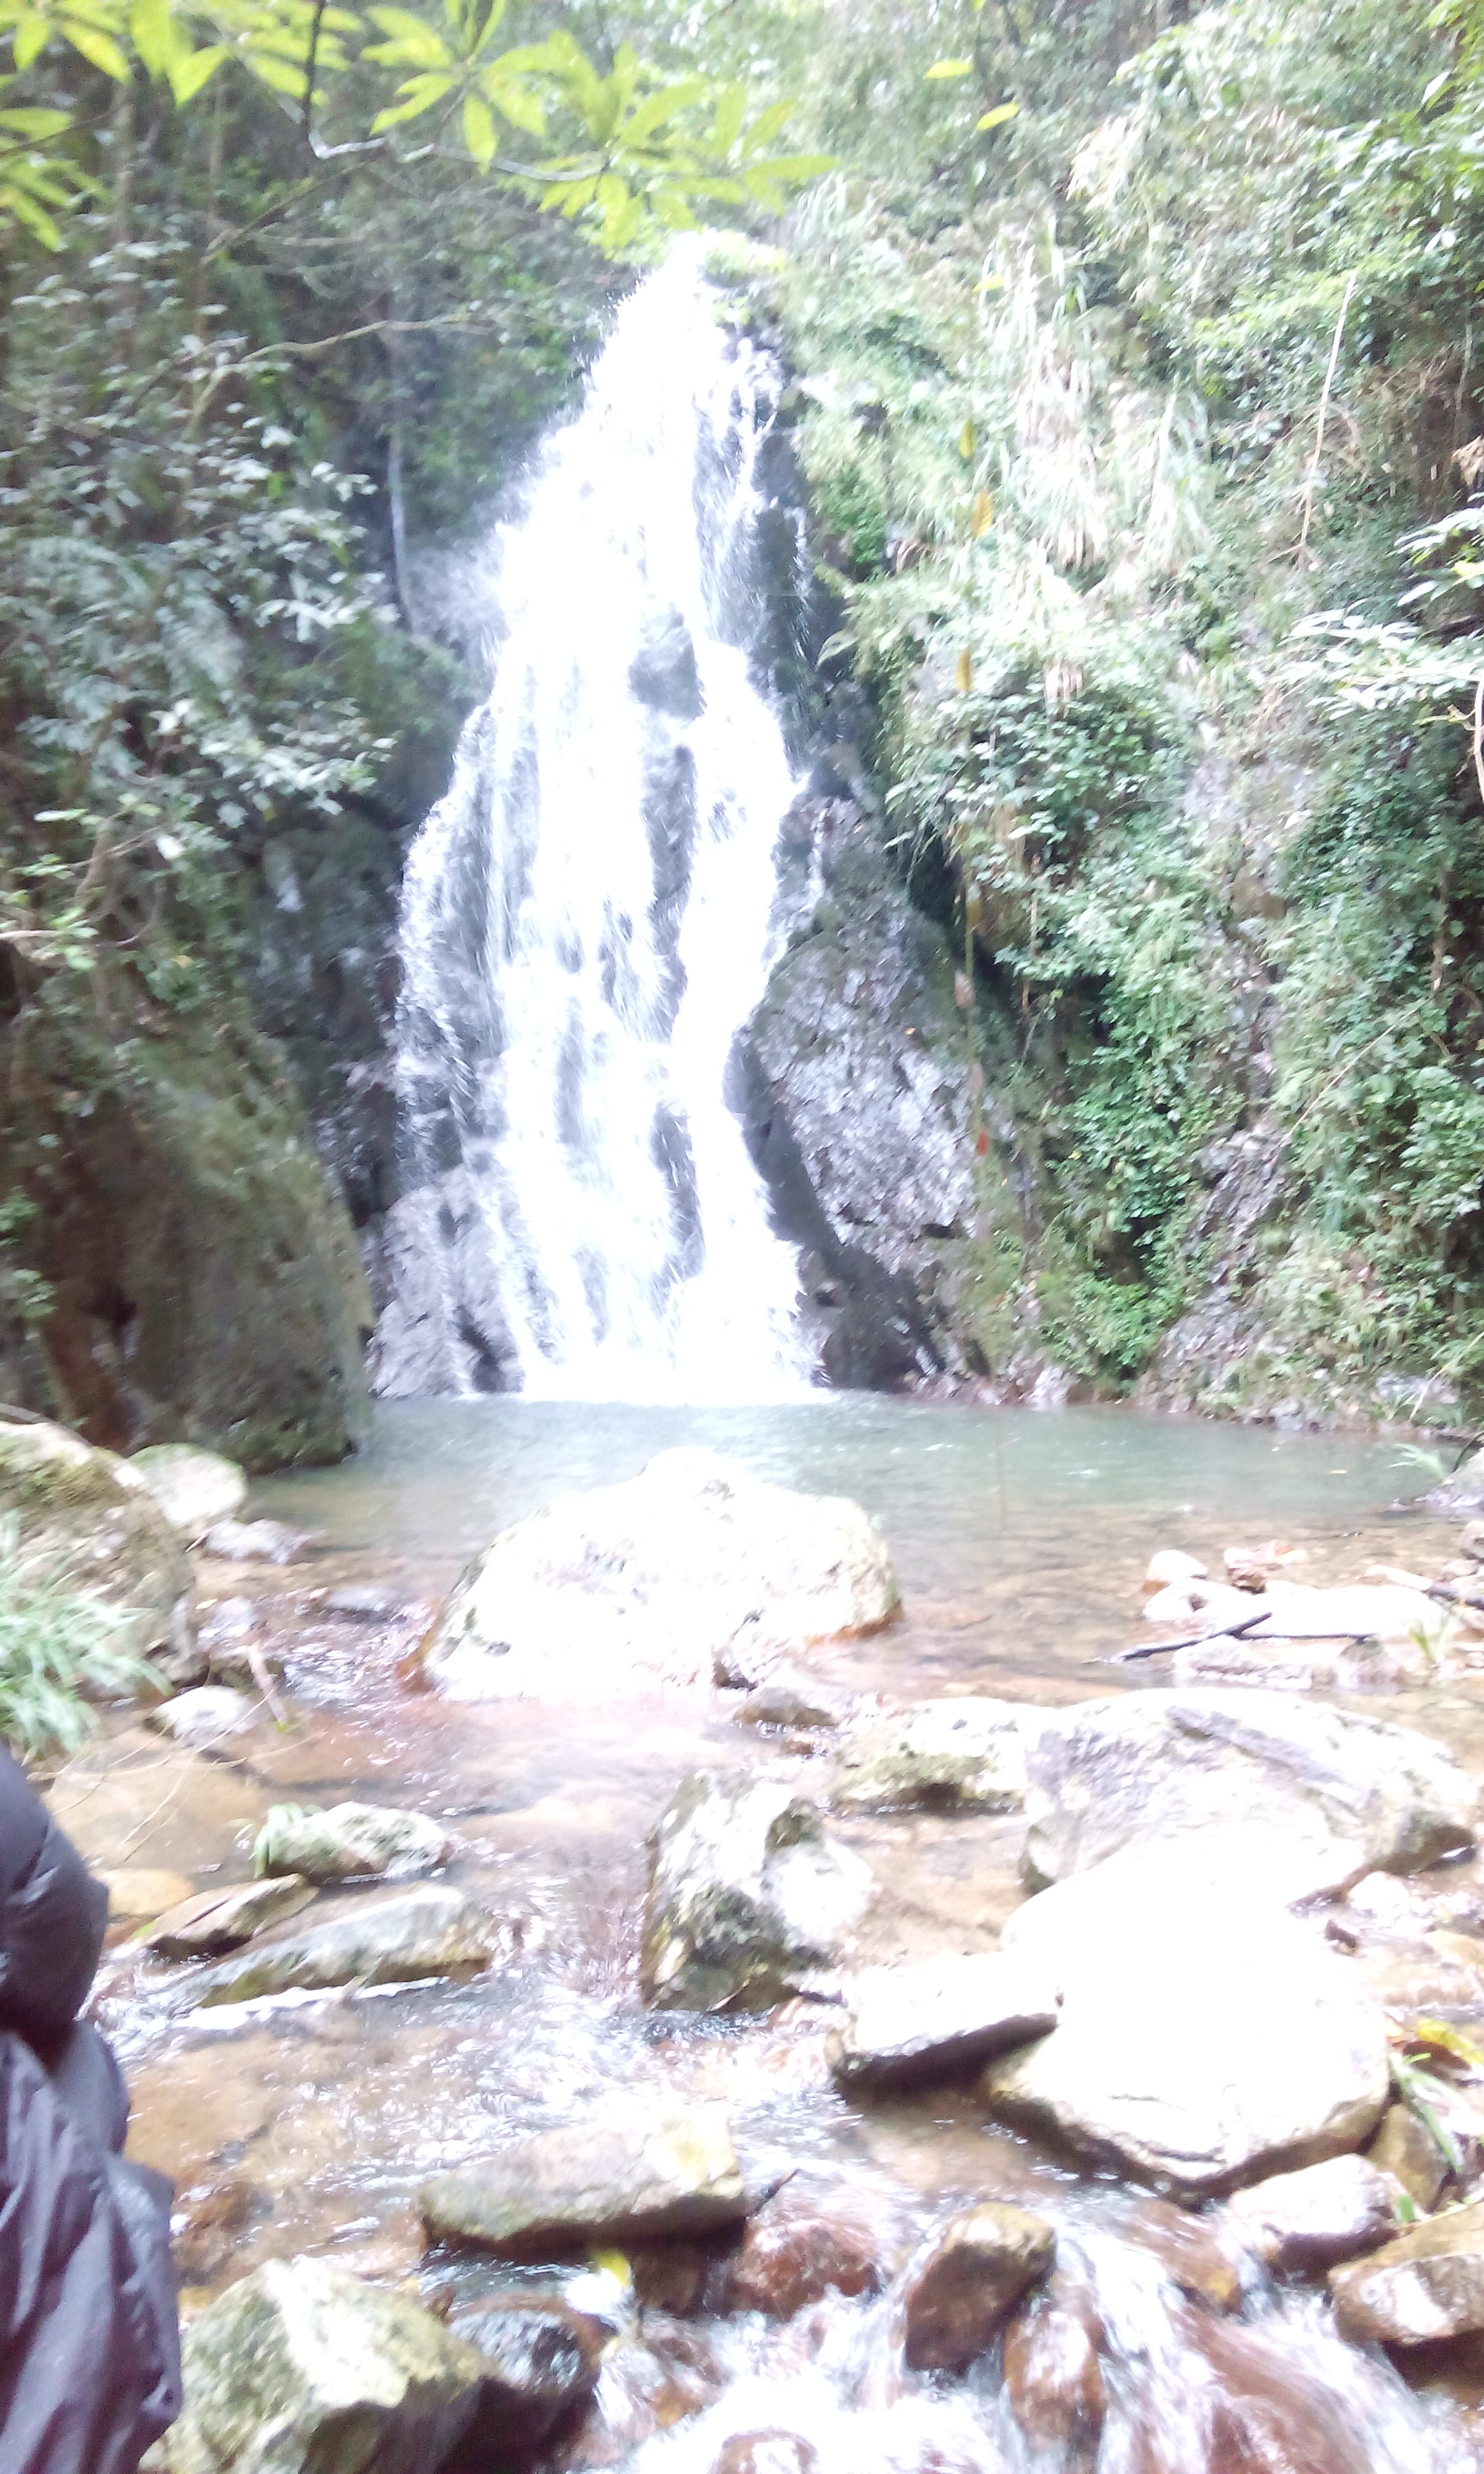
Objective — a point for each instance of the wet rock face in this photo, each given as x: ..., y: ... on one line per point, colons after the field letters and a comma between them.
x: 976, y: 2273
x: 1409, y: 2154
x: 747, y: 1893
x: 219, y: 1920
x: 1109, y: 1774
x: 852, y: 1082
x: 1206, y: 2039
x: 690, y: 1570
x: 350, y: 1842
x: 908, y: 2025
x: 383, y: 1941
x: 1426, y: 2285
x: 649, y: 2170
x: 90, y: 1514
x: 302, y: 2369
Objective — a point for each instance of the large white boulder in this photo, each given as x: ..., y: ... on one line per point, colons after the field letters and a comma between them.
x: 300, y: 2369
x: 89, y: 1517
x: 193, y: 1489
x: 747, y: 1893
x: 691, y: 1570
x: 1208, y: 2037
x: 1151, y: 1766
x: 965, y: 1754
x: 645, y: 2168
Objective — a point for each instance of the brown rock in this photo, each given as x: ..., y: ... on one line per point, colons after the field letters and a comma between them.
x: 207, y: 2223
x: 648, y: 2386
x: 137, y: 1893
x: 1425, y: 2285
x: 1403, y: 2148
x: 767, y: 2451
x: 1315, y: 2217
x: 1265, y: 2416
x: 1190, y: 2253
x: 1053, y: 2379
x: 787, y: 2260
x: 976, y: 2273
x: 543, y: 2360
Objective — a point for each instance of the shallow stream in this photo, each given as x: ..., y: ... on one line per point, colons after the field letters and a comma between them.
x: 307, y: 2124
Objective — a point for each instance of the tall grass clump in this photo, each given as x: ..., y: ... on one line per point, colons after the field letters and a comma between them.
x: 60, y: 1651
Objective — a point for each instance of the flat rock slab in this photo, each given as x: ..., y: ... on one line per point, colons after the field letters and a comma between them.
x: 350, y: 1842
x: 748, y: 1893
x: 966, y: 1755
x: 977, y: 2271
x: 432, y: 1932
x: 690, y: 1572
x: 221, y: 1920
x: 650, y: 2168
x: 211, y: 1715
x: 138, y: 1892
x: 1298, y: 2222
x: 301, y: 2370
x: 1428, y: 2284
x: 1154, y: 1765
x: 1206, y: 2038
x: 934, y: 2017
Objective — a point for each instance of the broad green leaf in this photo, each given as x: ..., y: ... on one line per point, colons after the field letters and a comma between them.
x: 30, y: 121
x: 412, y: 41
x: 730, y: 110
x: 796, y: 167
x: 766, y: 127
x: 522, y: 108
x: 283, y: 77
x: 96, y: 46
x: 189, y: 73
x: 31, y: 36
x: 15, y: 201
x: 1002, y: 111
x: 951, y: 69
x: 657, y: 109
x: 153, y: 33
x: 419, y: 94
x: 479, y: 132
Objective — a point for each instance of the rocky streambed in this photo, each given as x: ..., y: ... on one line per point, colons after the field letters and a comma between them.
x: 833, y: 2067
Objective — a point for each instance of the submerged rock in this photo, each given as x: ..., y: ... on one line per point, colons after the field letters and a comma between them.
x: 89, y: 1519
x: 1206, y: 2038
x: 747, y: 1893
x: 1053, y: 2377
x: 193, y: 1489
x: 255, y: 1541
x: 301, y: 2370
x: 794, y: 1701
x: 218, y: 1920
x: 431, y: 1932
x: 979, y: 2267
x: 791, y: 2255
x: 968, y: 1755
x: 1316, y: 2217
x: 935, y: 2016
x: 137, y: 1893
x: 692, y: 1569
x: 208, y: 1715
x: 349, y: 1842
x: 1426, y: 2285
x: 649, y: 2168
x: 541, y: 2361
x: 1150, y: 1766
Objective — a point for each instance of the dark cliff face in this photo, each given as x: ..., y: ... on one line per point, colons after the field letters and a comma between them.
x: 852, y: 1083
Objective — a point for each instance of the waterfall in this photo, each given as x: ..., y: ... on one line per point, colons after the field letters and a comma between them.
x: 586, y: 917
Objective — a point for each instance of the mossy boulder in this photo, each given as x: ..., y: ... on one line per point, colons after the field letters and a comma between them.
x: 193, y: 1489
x: 203, y: 1280
x: 88, y: 1516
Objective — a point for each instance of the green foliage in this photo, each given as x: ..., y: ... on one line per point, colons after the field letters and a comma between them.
x: 58, y: 1643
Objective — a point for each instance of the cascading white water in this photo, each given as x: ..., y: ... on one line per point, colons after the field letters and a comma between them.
x: 585, y: 917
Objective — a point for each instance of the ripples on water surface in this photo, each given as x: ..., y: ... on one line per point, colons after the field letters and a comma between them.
x: 1019, y: 1542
